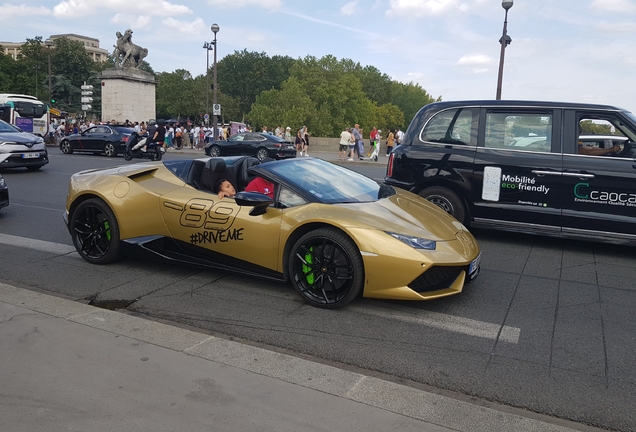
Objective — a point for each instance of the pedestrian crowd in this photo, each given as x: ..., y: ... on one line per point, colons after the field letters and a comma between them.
x: 351, y: 143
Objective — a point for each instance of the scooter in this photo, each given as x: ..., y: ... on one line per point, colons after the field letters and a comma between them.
x: 134, y: 148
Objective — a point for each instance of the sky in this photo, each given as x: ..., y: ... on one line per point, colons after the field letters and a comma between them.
x: 561, y: 50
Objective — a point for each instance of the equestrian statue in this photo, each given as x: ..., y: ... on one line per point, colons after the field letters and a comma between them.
x: 126, y: 53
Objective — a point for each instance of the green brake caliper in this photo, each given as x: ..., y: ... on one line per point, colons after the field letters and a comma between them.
x: 306, y: 269
x: 107, y: 228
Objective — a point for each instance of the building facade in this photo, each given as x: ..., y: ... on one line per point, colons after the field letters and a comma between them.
x: 91, y: 45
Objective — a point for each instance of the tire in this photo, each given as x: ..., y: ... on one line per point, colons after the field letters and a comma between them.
x: 128, y: 155
x: 109, y: 150
x: 95, y: 232
x: 215, y: 151
x: 158, y: 155
x: 326, y: 268
x: 66, y: 148
x: 262, y: 154
x: 447, y: 200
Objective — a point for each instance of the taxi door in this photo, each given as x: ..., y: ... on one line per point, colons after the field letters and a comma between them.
x: 517, y: 178
x: 201, y: 220
x: 599, y: 190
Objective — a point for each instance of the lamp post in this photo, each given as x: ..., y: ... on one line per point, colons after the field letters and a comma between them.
x: 215, y: 28
x: 49, y: 44
x: 207, y: 46
x: 504, y: 41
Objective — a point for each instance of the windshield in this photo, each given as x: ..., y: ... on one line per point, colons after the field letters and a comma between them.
x: 6, y: 127
x: 30, y: 109
x: 330, y: 183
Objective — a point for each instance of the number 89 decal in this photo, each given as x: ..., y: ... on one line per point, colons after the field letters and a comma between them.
x: 200, y: 213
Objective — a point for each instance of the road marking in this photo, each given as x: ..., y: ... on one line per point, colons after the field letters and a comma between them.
x: 442, y: 321
x: 437, y: 320
x: 43, y: 246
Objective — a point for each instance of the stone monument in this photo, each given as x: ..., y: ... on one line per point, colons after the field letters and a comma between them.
x: 128, y: 93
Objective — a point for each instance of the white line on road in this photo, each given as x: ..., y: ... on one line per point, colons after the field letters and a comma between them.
x: 437, y: 320
x: 43, y: 246
x: 446, y: 322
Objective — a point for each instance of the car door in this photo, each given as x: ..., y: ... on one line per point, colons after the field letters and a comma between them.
x: 253, y: 141
x: 599, y: 190
x: 518, y: 168
x: 233, y: 146
x: 221, y: 230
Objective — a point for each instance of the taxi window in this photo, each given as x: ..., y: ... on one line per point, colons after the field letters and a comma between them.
x: 458, y: 126
x: 519, y: 131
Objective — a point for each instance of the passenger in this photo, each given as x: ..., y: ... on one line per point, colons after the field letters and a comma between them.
x: 597, y: 151
x: 224, y: 189
x: 261, y: 185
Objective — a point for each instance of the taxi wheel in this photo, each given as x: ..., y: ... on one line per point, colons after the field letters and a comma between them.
x: 95, y: 232
x: 66, y: 148
x: 326, y: 268
x: 109, y: 150
x: 447, y: 200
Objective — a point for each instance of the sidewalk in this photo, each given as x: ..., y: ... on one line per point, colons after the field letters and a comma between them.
x: 71, y: 366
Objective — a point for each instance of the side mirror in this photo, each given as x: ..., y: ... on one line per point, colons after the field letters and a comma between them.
x: 258, y: 201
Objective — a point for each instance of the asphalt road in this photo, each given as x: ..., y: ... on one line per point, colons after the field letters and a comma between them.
x: 548, y: 326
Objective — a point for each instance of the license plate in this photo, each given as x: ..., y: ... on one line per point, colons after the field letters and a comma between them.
x: 291, y: 147
x: 474, y: 266
x: 30, y: 155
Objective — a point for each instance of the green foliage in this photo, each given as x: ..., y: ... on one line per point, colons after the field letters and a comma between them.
x: 244, y: 75
x: 410, y: 98
x: 588, y: 127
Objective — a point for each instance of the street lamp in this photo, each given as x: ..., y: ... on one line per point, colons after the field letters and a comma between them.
x: 215, y: 28
x: 207, y: 46
x: 504, y: 41
x: 49, y: 43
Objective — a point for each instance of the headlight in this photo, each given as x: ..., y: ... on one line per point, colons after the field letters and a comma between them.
x: 2, y: 183
x: 414, y: 242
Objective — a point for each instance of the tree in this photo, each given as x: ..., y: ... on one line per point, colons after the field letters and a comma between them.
x: 410, y: 98
x: 290, y: 106
x: 244, y: 75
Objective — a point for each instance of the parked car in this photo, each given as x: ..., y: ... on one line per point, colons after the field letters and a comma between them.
x: 334, y: 233
x: 24, y: 149
x: 107, y: 139
x: 257, y: 144
x: 518, y: 166
x: 4, y: 189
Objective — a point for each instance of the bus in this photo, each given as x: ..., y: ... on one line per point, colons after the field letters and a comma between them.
x: 25, y: 112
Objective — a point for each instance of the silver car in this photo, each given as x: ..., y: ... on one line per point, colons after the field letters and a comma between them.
x: 24, y: 148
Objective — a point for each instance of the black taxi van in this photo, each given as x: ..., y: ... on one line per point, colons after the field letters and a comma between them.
x: 533, y: 167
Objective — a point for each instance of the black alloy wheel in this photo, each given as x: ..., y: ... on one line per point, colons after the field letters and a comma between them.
x: 95, y: 232
x: 109, y: 150
x: 215, y: 151
x: 326, y: 268
x: 66, y: 148
x: 262, y: 154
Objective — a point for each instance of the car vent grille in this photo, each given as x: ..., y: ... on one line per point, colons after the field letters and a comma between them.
x: 435, y: 278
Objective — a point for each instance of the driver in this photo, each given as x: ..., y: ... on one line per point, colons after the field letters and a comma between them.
x: 260, y: 185
x: 597, y: 151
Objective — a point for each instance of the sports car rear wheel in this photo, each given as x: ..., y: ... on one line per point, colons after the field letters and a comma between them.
x: 215, y: 151
x: 109, y: 149
x: 326, y: 268
x: 95, y: 232
x: 66, y: 148
x: 262, y: 154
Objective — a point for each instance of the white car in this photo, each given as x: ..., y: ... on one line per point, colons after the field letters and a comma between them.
x: 24, y: 149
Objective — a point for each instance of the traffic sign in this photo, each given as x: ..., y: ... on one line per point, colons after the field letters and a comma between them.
x: 86, y: 107
x: 206, y: 117
x: 87, y: 99
x: 216, y: 109
x: 86, y: 87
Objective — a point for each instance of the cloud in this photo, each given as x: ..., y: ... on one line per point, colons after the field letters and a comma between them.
x: 132, y: 21
x: 475, y: 60
x: 7, y: 11
x: 79, y: 8
x: 189, y: 28
x: 612, y: 27
x: 237, y: 4
x: 422, y: 8
x: 349, y: 8
x: 622, y: 6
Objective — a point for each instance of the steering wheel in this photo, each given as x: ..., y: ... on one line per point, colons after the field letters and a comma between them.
x: 627, y: 149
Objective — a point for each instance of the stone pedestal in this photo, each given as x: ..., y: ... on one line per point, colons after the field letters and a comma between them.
x: 128, y: 94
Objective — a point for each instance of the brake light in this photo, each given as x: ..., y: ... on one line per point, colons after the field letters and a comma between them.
x: 389, y: 167
x: 125, y: 138
x: 279, y: 145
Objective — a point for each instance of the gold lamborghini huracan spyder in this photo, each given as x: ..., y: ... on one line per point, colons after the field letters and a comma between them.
x: 335, y: 234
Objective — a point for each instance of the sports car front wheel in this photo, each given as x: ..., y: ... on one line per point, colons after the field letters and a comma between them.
x: 326, y: 268
x: 95, y: 232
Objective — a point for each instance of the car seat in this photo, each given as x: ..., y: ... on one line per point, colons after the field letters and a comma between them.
x: 215, y: 170
x: 244, y: 176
